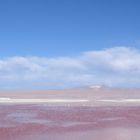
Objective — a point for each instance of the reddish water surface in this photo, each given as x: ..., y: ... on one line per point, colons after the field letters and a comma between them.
x: 43, y: 122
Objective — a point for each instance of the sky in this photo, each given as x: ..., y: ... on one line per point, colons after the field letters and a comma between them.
x: 63, y: 44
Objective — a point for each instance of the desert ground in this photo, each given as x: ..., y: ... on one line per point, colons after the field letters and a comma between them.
x: 75, y: 114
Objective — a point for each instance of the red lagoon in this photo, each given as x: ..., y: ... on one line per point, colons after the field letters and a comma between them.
x: 107, y: 114
x: 42, y: 122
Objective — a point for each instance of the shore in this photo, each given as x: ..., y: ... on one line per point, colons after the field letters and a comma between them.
x: 78, y: 97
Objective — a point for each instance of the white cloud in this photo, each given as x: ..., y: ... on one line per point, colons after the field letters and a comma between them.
x: 116, y: 67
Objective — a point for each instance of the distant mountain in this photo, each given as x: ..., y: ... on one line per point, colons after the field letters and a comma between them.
x: 96, y: 87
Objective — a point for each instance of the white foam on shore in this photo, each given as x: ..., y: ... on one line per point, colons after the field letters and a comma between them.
x: 121, y: 100
x: 13, y: 100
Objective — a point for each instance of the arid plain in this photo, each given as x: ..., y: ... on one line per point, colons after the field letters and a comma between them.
x: 75, y: 114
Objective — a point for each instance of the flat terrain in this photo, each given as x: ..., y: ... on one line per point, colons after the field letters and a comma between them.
x: 98, y: 114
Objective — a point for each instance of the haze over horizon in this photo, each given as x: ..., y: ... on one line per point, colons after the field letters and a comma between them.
x: 51, y: 44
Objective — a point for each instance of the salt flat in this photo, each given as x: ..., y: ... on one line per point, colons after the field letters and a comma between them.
x: 12, y: 100
x: 84, y: 97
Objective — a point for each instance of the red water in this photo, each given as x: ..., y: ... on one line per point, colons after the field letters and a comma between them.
x: 42, y: 122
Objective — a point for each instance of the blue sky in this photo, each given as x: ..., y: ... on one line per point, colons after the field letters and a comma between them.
x: 69, y: 43
x: 67, y: 27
